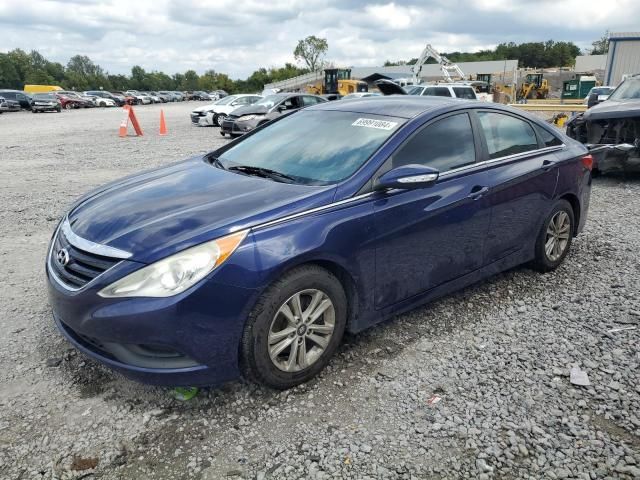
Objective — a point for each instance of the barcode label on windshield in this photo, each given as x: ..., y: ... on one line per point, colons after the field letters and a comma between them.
x: 372, y: 123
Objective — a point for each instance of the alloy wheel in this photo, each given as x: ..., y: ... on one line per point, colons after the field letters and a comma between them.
x: 557, y: 238
x: 301, y: 330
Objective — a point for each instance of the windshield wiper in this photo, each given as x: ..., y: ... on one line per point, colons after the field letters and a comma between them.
x: 263, y: 172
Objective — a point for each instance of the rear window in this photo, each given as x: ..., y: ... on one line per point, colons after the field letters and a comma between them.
x: 437, y: 92
x: 506, y: 135
x: 464, y: 92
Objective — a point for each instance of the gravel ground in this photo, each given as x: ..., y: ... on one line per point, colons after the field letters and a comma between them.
x: 475, y: 385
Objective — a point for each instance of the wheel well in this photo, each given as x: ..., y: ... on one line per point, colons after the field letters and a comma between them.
x: 348, y: 284
x: 575, y: 205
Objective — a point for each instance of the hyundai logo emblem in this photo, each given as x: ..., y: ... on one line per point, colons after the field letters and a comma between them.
x: 62, y: 257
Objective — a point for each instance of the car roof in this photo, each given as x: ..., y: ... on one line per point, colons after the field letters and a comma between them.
x: 402, y: 106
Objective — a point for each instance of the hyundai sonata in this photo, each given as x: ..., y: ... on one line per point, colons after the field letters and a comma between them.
x: 255, y: 258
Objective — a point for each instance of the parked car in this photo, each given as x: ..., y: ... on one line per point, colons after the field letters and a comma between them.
x: 154, y: 98
x: 245, y: 119
x: 213, y: 114
x: 118, y: 101
x: 598, y: 95
x: 171, y: 97
x: 46, y: 102
x: 128, y: 99
x: 257, y: 257
x: 162, y: 96
x: 21, y: 97
x: 7, y: 105
x: 610, y: 129
x: 198, y: 95
x: 218, y: 94
x: 101, y: 101
x: 69, y: 102
x: 81, y: 100
x: 180, y: 97
x: 140, y: 97
x: 454, y: 90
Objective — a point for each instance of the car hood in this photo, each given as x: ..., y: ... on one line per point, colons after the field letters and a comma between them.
x: 157, y: 213
x: 387, y: 87
x: 250, y: 110
x: 613, y: 109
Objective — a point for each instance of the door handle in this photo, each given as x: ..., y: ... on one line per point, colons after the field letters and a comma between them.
x: 477, y: 192
x: 548, y: 164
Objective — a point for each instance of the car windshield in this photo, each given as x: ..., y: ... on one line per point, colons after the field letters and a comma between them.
x: 629, y: 89
x: 44, y: 96
x: 226, y: 100
x: 602, y: 90
x: 414, y: 90
x: 314, y: 147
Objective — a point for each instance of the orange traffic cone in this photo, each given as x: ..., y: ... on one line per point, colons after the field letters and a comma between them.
x: 163, y: 125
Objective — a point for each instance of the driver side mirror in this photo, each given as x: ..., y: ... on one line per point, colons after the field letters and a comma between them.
x: 407, y: 177
x: 282, y: 107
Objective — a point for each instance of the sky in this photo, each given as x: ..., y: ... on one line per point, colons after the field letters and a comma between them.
x: 238, y: 36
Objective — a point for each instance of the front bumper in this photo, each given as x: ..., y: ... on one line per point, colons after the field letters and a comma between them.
x: 191, y: 339
x: 232, y: 126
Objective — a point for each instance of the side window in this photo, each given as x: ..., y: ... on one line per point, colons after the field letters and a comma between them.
x: 308, y: 101
x: 437, y: 91
x: 464, y: 92
x: 548, y: 138
x: 506, y: 135
x: 252, y: 100
x: 443, y: 145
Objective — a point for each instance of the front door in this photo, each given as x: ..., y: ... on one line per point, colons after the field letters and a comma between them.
x: 429, y: 236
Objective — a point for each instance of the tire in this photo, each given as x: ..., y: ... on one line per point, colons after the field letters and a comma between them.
x: 68, y: 106
x: 319, y: 341
x: 221, y: 133
x: 557, y: 231
x: 58, y: 109
x: 216, y: 120
x: 33, y: 110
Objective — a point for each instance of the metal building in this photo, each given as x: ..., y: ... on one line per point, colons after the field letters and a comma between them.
x: 623, y: 57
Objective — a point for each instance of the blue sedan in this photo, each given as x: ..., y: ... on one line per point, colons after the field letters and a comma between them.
x: 254, y: 259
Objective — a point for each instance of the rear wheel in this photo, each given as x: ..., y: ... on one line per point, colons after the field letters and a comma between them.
x: 68, y: 106
x: 554, y: 239
x: 295, y: 328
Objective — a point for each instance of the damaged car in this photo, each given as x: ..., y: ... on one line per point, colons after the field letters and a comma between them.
x: 611, y: 129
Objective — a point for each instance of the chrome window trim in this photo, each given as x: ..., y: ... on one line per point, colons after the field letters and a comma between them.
x: 363, y: 196
x: 89, y: 246
x: 504, y: 159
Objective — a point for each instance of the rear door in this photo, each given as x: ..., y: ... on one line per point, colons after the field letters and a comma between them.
x: 429, y: 236
x: 522, y: 175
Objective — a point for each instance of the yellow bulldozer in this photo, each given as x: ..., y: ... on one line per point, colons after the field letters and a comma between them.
x: 337, y: 81
x: 533, y: 86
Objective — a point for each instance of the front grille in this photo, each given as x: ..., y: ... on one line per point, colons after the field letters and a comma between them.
x: 81, y: 267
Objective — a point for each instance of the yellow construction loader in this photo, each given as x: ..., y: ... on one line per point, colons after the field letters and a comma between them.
x: 533, y: 86
x: 337, y: 81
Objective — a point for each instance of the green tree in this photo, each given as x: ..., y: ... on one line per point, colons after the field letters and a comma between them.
x: 601, y: 46
x: 311, y: 51
x: 9, y: 76
x: 190, y: 80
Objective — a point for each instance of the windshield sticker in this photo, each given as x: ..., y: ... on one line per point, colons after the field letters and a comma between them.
x: 372, y: 123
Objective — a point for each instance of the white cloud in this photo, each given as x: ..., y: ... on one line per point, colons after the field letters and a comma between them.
x: 239, y: 37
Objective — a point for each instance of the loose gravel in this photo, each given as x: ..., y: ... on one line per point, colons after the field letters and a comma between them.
x: 475, y: 385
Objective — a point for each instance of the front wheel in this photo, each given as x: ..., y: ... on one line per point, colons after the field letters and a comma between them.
x: 295, y: 328
x: 554, y: 239
x: 217, y: 120
x: 68, y: 106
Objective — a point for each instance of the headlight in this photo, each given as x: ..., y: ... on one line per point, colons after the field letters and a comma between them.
x: 245, y: 118
x: 174, y: 274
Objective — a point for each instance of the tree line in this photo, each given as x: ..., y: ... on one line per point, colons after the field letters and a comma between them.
x: 529, y: 54
x: 19, y: 68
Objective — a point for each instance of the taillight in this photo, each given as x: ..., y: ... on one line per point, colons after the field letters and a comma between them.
x: 587, y: 161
